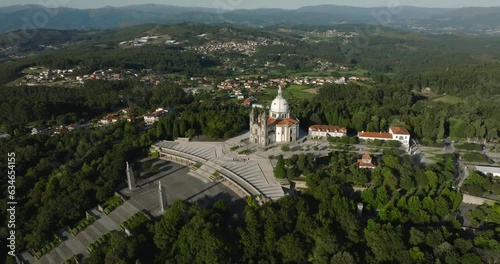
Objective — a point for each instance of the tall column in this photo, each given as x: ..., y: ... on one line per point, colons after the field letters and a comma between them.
x: 360, y: 209
x: 162, y: 201
x: 130, y: 177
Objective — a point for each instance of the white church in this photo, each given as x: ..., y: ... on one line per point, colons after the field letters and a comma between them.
x: 277, y: 126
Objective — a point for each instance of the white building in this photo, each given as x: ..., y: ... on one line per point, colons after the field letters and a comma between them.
x: 327, y: 131
x: 277, y: 126
x: 400, y: 134
x: 151, y: 118
x: 495, y: 171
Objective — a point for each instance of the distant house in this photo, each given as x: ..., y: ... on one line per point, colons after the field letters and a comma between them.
x: 366, y: 162
x: 129, y: 118
x: 60, y: 130
x: 72, y: 127
x: 35, y: 131
x: 327, y: 131
x: 400, y: 134
x: 151, y: 118
x: 249, y: 102
x: 109, y: 119
x: 127, y: 111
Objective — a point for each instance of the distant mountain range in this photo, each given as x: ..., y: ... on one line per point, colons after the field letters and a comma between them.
x: 472, y: 20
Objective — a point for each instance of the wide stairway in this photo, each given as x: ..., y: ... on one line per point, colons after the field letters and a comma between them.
x: 78, y: 244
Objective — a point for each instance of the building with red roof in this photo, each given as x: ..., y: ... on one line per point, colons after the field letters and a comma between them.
x: 400, y: 134
x: 151, y: 118
x: 366, y: 162
x: 327, y: 131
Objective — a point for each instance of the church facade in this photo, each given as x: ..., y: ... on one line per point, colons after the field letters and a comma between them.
x: 274, y: 124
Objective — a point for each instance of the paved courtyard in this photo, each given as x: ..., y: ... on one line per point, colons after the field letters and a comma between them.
x: 253, y: 173
x: 177, y: 184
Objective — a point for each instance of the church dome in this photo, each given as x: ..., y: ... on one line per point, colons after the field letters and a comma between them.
x: 279, y: 104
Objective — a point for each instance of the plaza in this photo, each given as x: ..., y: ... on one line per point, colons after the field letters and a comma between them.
x: 178, y: 185
x: 249, y: 175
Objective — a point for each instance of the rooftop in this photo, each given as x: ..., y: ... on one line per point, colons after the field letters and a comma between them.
x: 399, y: 131
x: 486, y: 170
x: 366, y: 161
x: 322, y: 128
x: 282, y: 122
x: 375, y: 135
x: 158, y: 112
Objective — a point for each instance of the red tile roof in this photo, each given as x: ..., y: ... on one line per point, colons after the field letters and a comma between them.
x: 156, y: 113
x: 375, y: 135
x: 333, y: 129
x: 248, y: 102
x: 400, y: 131
x: 110, y: 117
x: 282, y: 122
x: 362, y: 164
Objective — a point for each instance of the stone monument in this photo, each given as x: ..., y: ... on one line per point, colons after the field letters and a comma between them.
x: 162, y: 201
x: 130, y: 177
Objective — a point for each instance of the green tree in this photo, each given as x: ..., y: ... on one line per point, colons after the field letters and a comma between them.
x: 190, y: 133
x: 342, y: 258
x: 167, y: 230
x: 386, y: 243
x: 291, y: 249
x: 280, y: 170
x: 416, y: 255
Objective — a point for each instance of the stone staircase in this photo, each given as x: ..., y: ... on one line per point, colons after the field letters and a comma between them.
x: 204, y: 173
x: 78, y: 244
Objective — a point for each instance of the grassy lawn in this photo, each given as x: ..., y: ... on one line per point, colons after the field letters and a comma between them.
x: 436, y: 158
x: 469, y: 146
x: 316, y: 74
x: 357, y: 72
x: 176, y: 75
x: 449, y: 99
x: 293, y: 92
x: 299, y: 92
x: 477, y: 157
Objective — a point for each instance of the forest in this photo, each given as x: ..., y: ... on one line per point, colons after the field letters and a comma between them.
x: 408, y: 217
x: 376, y: 108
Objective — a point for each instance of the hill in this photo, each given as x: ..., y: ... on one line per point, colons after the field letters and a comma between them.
x: 475, y: 20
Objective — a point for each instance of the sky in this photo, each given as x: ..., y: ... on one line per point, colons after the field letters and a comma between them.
x: 251, y: 4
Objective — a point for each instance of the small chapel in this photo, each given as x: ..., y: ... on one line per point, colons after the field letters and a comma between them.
x: 274, y: 124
